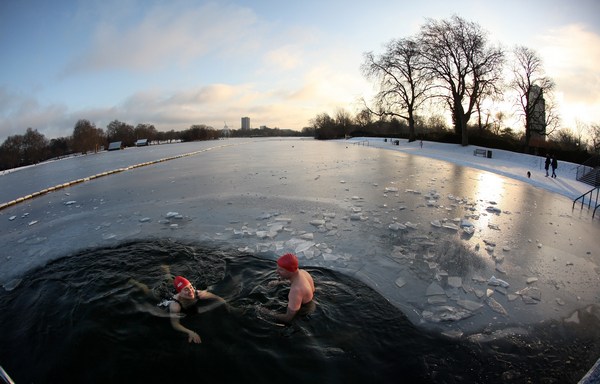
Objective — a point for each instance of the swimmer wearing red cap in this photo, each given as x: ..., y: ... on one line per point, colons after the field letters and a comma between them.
x: 186, y: 301
x: 302, y: 287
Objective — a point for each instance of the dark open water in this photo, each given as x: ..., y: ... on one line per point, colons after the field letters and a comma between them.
x: 79, y: 320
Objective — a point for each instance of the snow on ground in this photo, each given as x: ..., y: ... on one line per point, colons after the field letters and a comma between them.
x: 506, y: 163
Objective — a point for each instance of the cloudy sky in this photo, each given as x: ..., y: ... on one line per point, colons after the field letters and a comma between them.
x: 177, y: 63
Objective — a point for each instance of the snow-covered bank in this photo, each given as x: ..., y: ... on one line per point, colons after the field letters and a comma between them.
x: 510, y: 164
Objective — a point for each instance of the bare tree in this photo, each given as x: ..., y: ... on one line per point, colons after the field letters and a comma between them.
x: 364, y: 118
x: 456, y: 52
x: 534, y: 94
x: 120, y: 131
x: 343, y: 119
x: 402, y: 81
x: 566, y: 139
x: 594, y: 133
x: 498, y: 122
x: 86, y: 137
x: 580, y: 129
x: 324, y: 126
x: 34, y: 147
x: 145, y: 131
x: 11, y: 152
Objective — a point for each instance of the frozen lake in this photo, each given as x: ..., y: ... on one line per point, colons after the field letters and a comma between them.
x: 392, y: 220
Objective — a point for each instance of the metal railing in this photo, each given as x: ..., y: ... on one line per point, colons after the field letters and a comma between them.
x: 583, y: 197
x: 589, y: 172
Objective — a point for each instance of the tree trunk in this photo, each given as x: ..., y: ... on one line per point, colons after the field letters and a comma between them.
x: 465, y: 136
x: 411, y: 129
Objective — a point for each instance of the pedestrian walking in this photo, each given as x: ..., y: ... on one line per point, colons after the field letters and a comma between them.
x: 554, y: 166
x: 547, y: 165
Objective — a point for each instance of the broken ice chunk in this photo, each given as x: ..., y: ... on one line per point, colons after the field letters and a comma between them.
x: 469, y: 230
x: 465, y: 223
x: 436, y: 299
x: 455, y: 281
x: 493, y: 209
x: 530, y: 295
x: 307, y: 236
x: 400, y: 282
x: 451, y: 226
x: 469, y: 304
x: 446, y: 313
x: 396, y: 226
x: 495, y: 306
x: 434, y: 289
x: 497, y: 282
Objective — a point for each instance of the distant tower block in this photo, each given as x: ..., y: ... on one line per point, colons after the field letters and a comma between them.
x: 245, y: 123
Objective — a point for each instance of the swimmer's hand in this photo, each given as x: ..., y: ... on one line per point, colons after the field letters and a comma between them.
x: 265, y: 312
x: 194, y: 337
x: 274, y: 283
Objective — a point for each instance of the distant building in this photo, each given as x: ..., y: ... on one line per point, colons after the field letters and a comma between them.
x: 537, y: 116
x: 225, y: 132
x: 245, y: 123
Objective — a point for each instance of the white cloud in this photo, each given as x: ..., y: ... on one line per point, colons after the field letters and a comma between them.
x: 166, y: 35
x: 571, y: 55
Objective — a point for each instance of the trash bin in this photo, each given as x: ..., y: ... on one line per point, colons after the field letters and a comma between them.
x: 385, y: 140
x: 489, y: 154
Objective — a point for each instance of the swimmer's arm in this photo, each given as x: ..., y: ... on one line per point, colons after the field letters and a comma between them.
x: 274, y: 283
x: 174, y: 311
x: 294, y: 304
x: 285, y: 318
x: 208, y: 295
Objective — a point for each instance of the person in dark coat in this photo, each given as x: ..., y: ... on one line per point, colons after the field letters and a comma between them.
x: 547, y: 165
x: 554, y: 166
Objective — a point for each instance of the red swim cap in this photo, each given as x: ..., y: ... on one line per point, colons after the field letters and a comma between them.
x: 289, y: 262
x: 180, y: 282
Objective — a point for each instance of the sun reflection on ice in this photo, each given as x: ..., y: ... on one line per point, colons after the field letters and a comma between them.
x: 490, y: 188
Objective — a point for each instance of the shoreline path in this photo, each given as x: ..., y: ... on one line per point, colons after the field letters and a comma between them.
x: 506, y: 163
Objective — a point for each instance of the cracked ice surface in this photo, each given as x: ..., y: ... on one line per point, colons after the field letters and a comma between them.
x: 453, y: 247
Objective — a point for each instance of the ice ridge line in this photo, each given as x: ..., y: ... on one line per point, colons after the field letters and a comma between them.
x: 102, y: 174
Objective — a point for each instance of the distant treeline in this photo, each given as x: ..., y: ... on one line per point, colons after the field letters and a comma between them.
x: 562, y: 143
x: 33, y: 147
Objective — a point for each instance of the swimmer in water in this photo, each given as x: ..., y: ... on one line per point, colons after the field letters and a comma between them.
x: 161, y: 290
x: 302, y: 288
x: 187, y: 301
